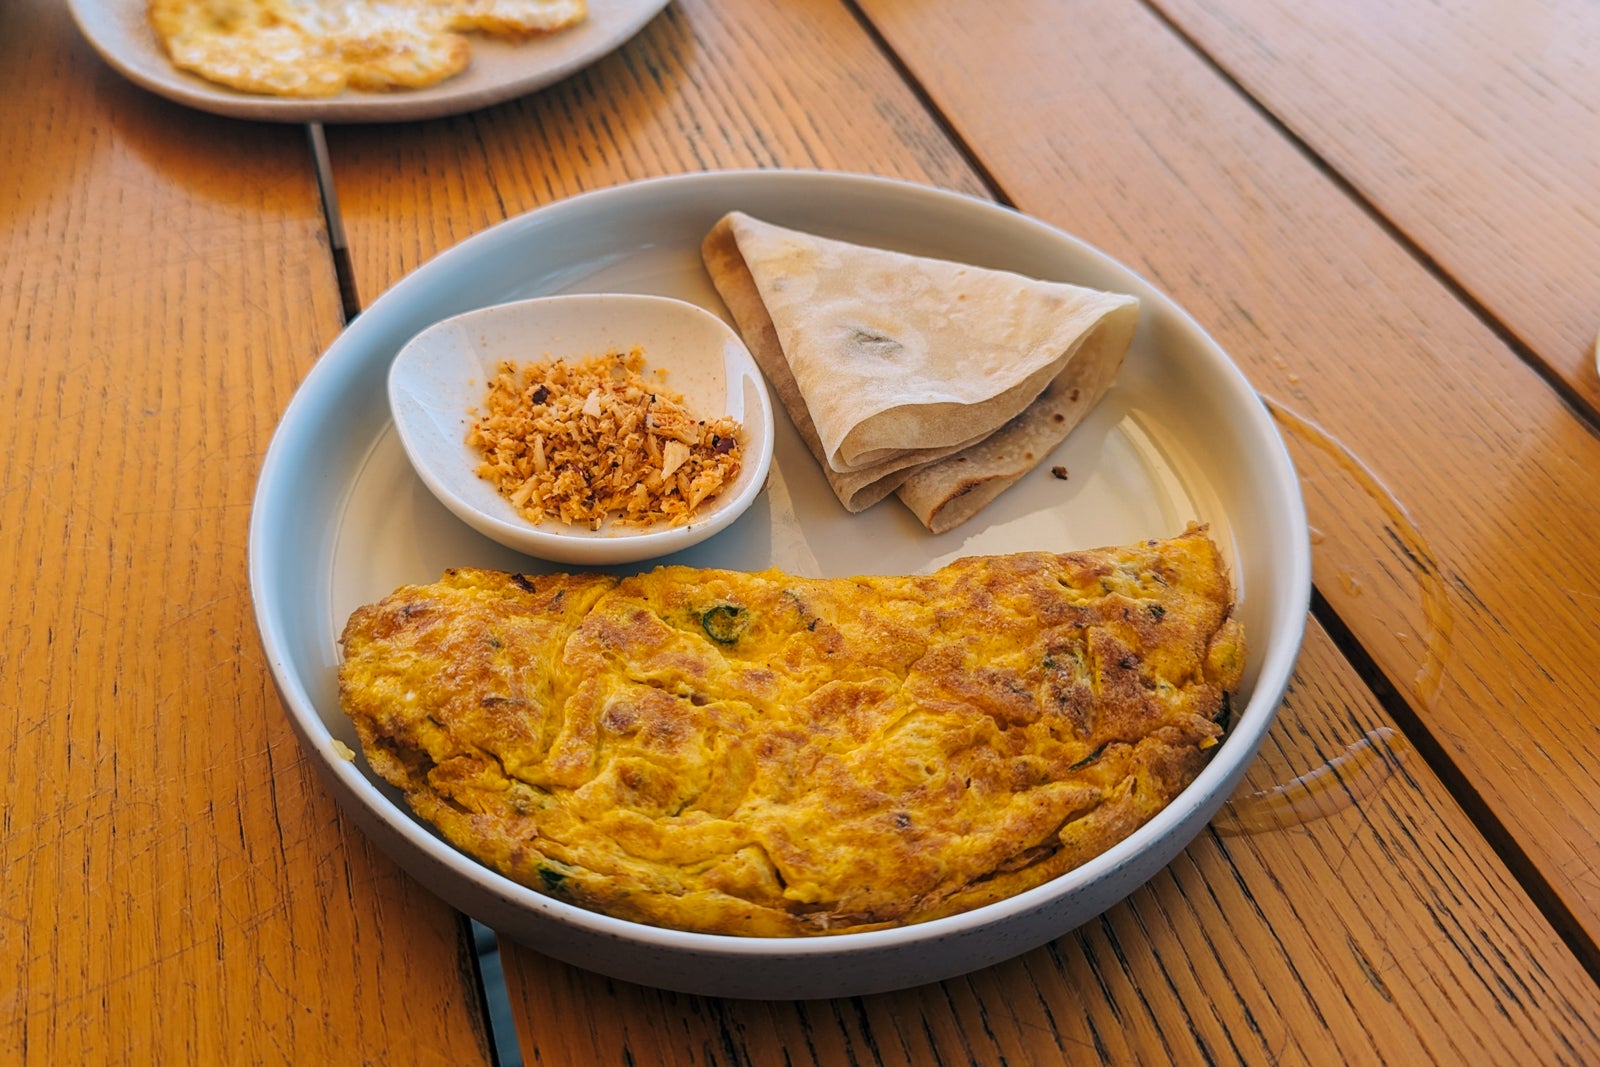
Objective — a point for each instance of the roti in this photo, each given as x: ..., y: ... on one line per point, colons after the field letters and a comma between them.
x: 900, y: 370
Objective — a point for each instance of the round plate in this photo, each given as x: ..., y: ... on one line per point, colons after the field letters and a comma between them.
x: 500, y: 70
x: 341, y: 519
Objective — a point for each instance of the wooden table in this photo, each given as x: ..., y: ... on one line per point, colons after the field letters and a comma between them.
x: 1385, y: 213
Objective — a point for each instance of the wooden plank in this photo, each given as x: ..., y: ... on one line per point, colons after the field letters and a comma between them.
x: 704, y: 87
x: 177, y: 886
x: 1341, y: 910
x: 1472, y: 125
x: 1454, y: 496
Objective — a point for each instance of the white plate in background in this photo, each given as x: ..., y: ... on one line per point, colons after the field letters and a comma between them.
x: 500, y: 70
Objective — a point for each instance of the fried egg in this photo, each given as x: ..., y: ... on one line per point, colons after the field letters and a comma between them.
x: 319, y: 48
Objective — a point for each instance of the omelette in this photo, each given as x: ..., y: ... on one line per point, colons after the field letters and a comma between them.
x: 767, y: 755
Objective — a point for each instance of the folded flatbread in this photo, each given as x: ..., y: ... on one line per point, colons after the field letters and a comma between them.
x: 943, y: 381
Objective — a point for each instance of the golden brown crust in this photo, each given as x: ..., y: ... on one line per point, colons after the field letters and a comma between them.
x: 769, y: 755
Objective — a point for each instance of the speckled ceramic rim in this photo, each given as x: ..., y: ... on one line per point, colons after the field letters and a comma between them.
x: 1277, y: 499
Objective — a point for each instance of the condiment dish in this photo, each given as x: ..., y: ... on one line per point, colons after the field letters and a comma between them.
x: 438, y: 381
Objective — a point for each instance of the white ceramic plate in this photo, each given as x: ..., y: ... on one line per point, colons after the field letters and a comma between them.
x: 500, y: 70
x: 341, y: 519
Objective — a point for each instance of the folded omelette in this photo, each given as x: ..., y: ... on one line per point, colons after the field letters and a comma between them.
x: 762, y: 754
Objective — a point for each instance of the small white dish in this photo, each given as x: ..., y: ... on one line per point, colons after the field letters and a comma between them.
x: 439, y: 379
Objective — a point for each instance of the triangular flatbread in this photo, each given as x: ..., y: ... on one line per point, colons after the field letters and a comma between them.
x: 898, y: 369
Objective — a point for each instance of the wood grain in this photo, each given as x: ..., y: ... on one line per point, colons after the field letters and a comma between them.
x: 1454, y: 496
x: 704, y: 87
x: 1472, y: 125
x: 1344, y: 910
x: 177, y: 886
